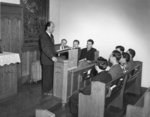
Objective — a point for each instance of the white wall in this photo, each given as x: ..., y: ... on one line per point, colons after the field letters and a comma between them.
x: 11, y: 1
x: 55, y: 17
x: 108, y: 23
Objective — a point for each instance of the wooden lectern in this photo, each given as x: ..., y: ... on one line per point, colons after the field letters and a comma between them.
x: 61, y: 68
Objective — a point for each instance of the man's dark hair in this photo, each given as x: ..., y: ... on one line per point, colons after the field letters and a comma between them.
x: 116, y: 54
x: 120, y: 47
x: 48, y: 24
x: 91, y: 40
x: 126, y: 56
x: 77, y: 41
x: 64, y: 40
x: 102, y: 63
x: 132, y: 52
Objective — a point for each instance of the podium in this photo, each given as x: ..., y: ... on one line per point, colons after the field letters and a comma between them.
x: 61, y: 80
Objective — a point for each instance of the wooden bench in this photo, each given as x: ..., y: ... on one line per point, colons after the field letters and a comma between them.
x: 75, y: 77
x: 141, y: 108
x: 132, y: 84
x: 96, y: 101
x: 100, y: 94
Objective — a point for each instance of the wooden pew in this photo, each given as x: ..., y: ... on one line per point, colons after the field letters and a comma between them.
x: 75, y: 78
x: 99, y: 95
x: 97, y: 99
x: 141, y: 108
x: 132, y: 84
x: 89, y: 104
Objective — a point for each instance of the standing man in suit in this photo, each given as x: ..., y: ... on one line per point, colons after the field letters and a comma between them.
x: 47, y: 57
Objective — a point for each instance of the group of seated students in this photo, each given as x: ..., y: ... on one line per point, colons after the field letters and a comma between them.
x: 87, y: 53
x: 104, y: 71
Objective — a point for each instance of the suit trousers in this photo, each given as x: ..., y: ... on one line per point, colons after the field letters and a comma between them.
x: 47, y: 78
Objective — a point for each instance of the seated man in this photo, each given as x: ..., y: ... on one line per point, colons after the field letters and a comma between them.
x: 125, y: 58
x: 132, y: 54
x: 76, y: 44
x: 115, y: 70
x: 88, y: 53
x: 97, y: 75
x: 120, y: 48
x: 63, y: 45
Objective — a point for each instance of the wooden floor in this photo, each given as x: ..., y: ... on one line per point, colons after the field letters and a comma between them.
x: 29, y: 98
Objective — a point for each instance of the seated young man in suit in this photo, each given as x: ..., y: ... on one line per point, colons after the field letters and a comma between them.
x: 115, y: 70
x: 125, y: 58
x: 132, y: 54
x: 76, y: 46
x: 88, y: 53
x: 120, y: 48
x: 97, y: 74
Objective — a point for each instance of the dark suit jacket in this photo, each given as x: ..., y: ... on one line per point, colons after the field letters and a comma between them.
x: 89, y: 55
x: 115, y: 71
x: 47, y: 48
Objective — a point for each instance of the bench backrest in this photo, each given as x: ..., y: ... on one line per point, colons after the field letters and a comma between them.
x: 141, y: 108
x: 75, y: 77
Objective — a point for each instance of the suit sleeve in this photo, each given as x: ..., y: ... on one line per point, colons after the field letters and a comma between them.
x: 47, y: 48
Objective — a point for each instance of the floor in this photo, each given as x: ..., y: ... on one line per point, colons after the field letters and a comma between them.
x: 29, y: 98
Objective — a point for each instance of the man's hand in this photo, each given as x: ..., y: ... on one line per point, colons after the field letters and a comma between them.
x: 108, y: 68
x: 54, y: 59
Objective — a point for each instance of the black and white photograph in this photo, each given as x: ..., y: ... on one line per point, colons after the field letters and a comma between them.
x: 74, y: 58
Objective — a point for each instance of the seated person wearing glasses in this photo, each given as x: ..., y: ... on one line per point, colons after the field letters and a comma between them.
x: 97, y: 74
x: 61, y: 49
x: 63, y: 45
x: 88, y: 53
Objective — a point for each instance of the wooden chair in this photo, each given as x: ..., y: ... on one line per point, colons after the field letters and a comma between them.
x: 57, y: 46
x: 96, y: 54
x: 141, y: 108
